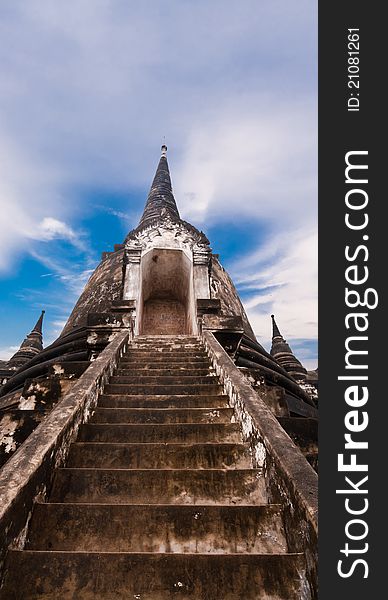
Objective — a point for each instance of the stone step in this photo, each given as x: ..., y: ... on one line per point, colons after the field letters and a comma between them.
x: 159, y: 340
x: 172, y: 432
x: 162, y: 415
x: 36, y: 575
x: 166, y: 339
x: 104, y: 455
x: 173, y: 336
x: 177, y: 379
x: 144, y: 353
x: 161, y: 359
x: 159, y: 486
x: 158, y: 366
x: 157, y: 528
x: 167, y: 371
x: 142, y: 401
x: 171, y: 352
x: 205, y: 389
x: 175, y: 347
x: 164, y: 358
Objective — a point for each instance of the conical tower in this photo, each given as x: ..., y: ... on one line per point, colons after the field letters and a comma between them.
x: 282, y: 352
x: 30, y: 347
x: 160, y: 202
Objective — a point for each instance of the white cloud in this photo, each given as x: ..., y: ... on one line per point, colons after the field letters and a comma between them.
x: 50, y: 229
x: 260, y: 166
x: 53, y: 328
x: 73, y: 275
x: 89, y: 89
x: 252, y: 164
x: 7, y: 351
x: 282, y: 279
x: 29, y: 189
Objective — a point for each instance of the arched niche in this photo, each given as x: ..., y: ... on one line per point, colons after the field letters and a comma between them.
x: 166, y: 303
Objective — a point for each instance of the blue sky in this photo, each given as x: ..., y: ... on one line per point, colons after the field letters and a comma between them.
x: 88, y: 90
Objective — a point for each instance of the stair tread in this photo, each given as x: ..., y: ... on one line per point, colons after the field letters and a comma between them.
x: 198, y: 455
x: 161, y: 415
x: 170, y: 486
x: 162, y: 410
x: 164, y: 389
x: 181, y: 351
x: 120, y: 400
x: 139, y: 425
x: 173, y: 386
x: 162, y: 359
x: 163, y: 380
x: 140, y: 470
x: 159, y: 365
x: 219, y: 397
x: 166, y: 372
x: 177, y: 401
x: 157, y: 528
x: 164, y: 444
x: 159, y: 554
x: 151, y: 507
x: 161, y: 432
x: 117, y: 576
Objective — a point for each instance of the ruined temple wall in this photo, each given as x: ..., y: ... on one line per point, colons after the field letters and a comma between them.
x: 104, y: 285
x: 222, y: 287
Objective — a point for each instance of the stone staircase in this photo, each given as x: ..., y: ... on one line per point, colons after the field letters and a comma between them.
x: 158, y: 499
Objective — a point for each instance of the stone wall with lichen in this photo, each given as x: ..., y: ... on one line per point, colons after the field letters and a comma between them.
x: 222, y: 287
x: 28, y: 475
x: 22, y: 411
x: 104, y: 285
x: 289, y: 479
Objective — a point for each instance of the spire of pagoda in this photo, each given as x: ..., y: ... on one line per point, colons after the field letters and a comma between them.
x: 275, y: 328
x: 160, y: 202
x: 30, y: 347
x: 38, y: 325
x: 282, y: 352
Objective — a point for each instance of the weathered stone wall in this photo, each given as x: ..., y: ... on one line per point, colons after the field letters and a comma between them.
x: 27, y: 476
x: 104, y: 285
x: 291, y: 481
x: 222, y: 287
x: 163, y: 317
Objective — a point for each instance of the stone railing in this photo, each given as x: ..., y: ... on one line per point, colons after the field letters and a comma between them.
x: 27, y: 476
x: 290, y: 480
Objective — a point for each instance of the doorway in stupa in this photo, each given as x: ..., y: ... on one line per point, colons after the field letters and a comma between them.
x: 167, y: 302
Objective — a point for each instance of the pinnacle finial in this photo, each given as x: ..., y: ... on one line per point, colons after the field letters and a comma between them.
x: 39, y: 323
x: 164, y: 150
x: 275, y: 329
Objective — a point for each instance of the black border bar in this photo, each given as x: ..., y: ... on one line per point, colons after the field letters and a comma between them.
x: 352, y: 127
